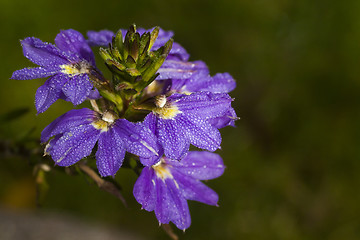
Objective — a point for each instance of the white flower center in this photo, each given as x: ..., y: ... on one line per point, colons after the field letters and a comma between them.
x: 164, y: 109
x: 104, y: 122
x: 76, y: 69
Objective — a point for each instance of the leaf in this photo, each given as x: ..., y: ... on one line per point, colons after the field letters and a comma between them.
x: 153, y: 36
x: 118, y: 42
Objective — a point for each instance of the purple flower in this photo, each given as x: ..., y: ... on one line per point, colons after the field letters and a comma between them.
x: 179, y: 120
x: 101, y: 38
x: 227, y: 119
x: 166, y: 186
x: 104, y: 37
x: 77, y: 131
x: 190, y: 77
x: 176, y: 69
x: 220, y: 83
x: 68, y: 64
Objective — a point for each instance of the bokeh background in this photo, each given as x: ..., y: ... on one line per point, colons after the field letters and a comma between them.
x: 292, y: 161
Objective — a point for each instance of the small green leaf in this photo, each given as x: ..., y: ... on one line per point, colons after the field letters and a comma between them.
x: 135, y: 47
x: 144, y: 45
x: 153, y: 37
x: 133, y: 72
x: 118, y: 41
x: 116, y: 65
x: 104, y: 53
x: 130, y: 62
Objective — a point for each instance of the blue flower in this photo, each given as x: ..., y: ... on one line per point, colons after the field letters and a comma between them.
x: 77, y: 131
x: 68, y: 64
x: 166, y: 186
x: 180, y: 120
x: 189, y: 77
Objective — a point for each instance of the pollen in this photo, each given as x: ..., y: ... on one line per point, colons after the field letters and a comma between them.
x: 75, y: 69
x: 162, y: 170
x: 104, y: 122
x: 164, y: 109
x: 101, y: 125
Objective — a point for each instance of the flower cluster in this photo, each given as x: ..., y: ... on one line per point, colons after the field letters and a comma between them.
x: 156, y: 104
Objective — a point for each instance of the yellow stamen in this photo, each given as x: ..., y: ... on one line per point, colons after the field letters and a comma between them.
x: 164, y: 109
x: 101, y: 125
x: 75, y: 69
x: 106, y: 120
x: 167, y: 112
x: 162, y: 170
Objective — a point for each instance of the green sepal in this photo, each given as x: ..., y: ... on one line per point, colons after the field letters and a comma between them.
x: 144, y: 46
x: 128, y: 39
x: 153, y: 36
x: 105, y: 54
x: 133, y: 72
x: 114, y: 65
x: 158, y: 59
x: 118, y: 42
x: 112, y: 97
x: 131, y: 61
x: 135, y: 47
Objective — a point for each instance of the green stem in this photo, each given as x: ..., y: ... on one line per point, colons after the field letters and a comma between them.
x: 112, y: 97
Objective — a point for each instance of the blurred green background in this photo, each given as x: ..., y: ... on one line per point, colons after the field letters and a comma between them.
x: 293, y: 159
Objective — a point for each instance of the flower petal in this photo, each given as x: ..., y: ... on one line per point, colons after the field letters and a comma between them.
x: 41, y: 53
x: 150, y: 122
x: 173, y: 138
x: 72, y: 41
x: 138, y: 139
x: 100, y: 38
x: 171, y: 205
x: 220, y: 83
x: 67, y: 121
x: 77, y: 88
x: 201, y: 165
x: 228, y: 119
x: 177, y: 52
x: 172, y: 69
x: 110, y: 153
x: 162, y: 38
x: 94, y: 94
x: 74, y: 145
x: 205, y: 104
x: 144, y: 189
x: 32, y: 73
x: 200, y: 132
x: 193, y: 189
x: 48, y: 93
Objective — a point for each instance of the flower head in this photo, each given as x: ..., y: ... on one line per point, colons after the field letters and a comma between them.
x: 179, y: 120
x: 104, y: 37
x: 77, y: 131
x: 154, y: 106
x: 193, y: 77
x: 68, y: 64
x: 166, y: 186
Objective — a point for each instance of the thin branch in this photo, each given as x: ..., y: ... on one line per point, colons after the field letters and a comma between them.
x: 167, y: 228
x: 101, y: 183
